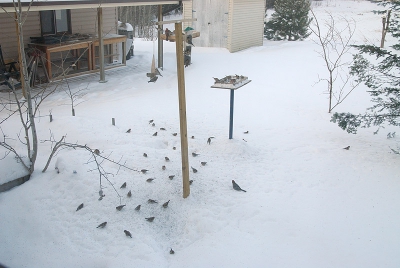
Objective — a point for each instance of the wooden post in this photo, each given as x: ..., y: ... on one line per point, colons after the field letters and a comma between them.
x: 182, y: 109
x: 160, y: 41
x: 101, y: 44
x: 383, y: 31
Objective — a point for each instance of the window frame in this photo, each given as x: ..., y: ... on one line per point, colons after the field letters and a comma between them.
x: 54, y: 23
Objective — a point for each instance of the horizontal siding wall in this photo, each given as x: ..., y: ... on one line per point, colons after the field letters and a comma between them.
x: 8, y: 33
x: 82, y: 21
x: 187, y: 13
x: 246, y: 24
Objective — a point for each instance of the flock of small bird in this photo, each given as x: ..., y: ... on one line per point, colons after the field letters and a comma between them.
x: 150, y: 180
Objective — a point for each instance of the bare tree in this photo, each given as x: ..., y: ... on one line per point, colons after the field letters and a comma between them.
x: 335, y: 43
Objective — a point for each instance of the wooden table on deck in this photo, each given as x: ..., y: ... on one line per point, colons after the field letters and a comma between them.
x: 65, y: 46
x: 89, y: 44
x: 109, y: 39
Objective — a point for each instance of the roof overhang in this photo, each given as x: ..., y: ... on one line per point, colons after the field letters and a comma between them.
x: 38, y: 5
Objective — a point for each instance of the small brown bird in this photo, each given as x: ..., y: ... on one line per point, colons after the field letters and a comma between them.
x: 123, y: 185
x: 236, y: 186
x: 163, y: 167
x: 151, y: 219
x: 129, y: 194
x: 171, y: 177
x: 194, y: 154
x: 167, y: 158
x: 120, y: 207
x: 194, y: 170
x: 144, y: 170
x: 190, y: 182
x: 150, y: 180
x: 165, y: 205
x: 161, y: 128
x: 79, y: 207
x: 138, y: 207
x: 102, y: 225
x: 209, y: 141
x: 171, y: 251
x: 347, y: 148
x: 203, y: 163
x: 144, y: 154
x: 151, y: 121
x: 127, y: 233
x: 246, y: 132
x: 152, y: 201
x: 174, y: 134
x: 155, y: 134
x: 128, y: 131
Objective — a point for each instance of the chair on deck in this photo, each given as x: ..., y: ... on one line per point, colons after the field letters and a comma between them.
x: 7, y: 70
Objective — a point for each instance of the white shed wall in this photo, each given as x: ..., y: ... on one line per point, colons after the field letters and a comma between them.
x: 246, y: 24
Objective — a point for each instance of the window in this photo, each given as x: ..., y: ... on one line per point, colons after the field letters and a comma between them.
x: 55, y: 21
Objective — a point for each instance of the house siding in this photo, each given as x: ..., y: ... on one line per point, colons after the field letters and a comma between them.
x: 82, y: 21
x: 245, y: 27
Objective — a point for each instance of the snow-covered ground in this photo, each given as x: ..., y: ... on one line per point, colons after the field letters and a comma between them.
x: 309, y: 202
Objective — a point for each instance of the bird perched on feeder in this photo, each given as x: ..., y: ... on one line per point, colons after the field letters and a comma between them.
x: 79, y: 207
x: 144, y: 170
x: 129, y: 194
x: 123, y: 185
x: 144, y: 154
x: 347, y: 148
x: 120, y: 207
x: 127, y: 233
x: 167, y: 34
x: 171, y: 177
x: 155, y: 134
x: 194, y: 170
x: 236, y: 186
x: 128, y: 131
x: 165, y: 205
x: 203, y: 163
x: 150, y: 180
x: 102, y: 225
x: 153, y: 79
x: 138, y: 207
x: 152, y: 201
x: 195, y: 154
x: 189, y: 39
x: 151, y: 219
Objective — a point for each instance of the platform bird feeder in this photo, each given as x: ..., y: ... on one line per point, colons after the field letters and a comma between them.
x: 232, y: 82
